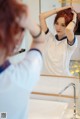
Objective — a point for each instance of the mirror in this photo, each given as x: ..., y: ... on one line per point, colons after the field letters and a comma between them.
x: 51, y: 70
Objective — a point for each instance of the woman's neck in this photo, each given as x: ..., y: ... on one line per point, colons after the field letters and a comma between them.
x: 61, y: 36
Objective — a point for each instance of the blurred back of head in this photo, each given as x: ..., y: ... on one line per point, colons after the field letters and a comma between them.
x: 10, y: 15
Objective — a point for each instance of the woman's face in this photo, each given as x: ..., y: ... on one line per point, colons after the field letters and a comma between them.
x: 60, y: 26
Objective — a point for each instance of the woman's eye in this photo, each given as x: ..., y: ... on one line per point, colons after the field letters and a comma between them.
x: 56, y: 23
x: 63, y: 25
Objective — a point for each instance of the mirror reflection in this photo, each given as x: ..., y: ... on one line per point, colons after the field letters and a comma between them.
x: 61, y: 41
x: 59, y: 47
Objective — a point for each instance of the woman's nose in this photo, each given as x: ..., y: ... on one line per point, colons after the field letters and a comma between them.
x: 59, y: 27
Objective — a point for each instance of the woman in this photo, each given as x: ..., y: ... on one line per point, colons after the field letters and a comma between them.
x: 60, y: 47
x: 17, y: 81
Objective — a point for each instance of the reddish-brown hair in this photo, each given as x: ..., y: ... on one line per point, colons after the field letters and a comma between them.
x: 67, y: 14
x: 10, y: 10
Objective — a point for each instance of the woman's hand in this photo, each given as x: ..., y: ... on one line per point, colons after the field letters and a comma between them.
x: 63, y: 8
x: 26, y: 19
x: 67, y: 7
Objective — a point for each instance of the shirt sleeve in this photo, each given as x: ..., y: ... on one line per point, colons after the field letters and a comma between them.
x: 75, y: 43
x: 49, y: 36
x: 71, y: 48
x: 28, y: 71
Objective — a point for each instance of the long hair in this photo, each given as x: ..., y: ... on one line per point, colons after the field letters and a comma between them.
x: 10, y: 11
x: 77, y: 30
x: 68, y: 16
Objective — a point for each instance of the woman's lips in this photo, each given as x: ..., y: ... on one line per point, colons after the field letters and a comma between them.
x: 58, y: 31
